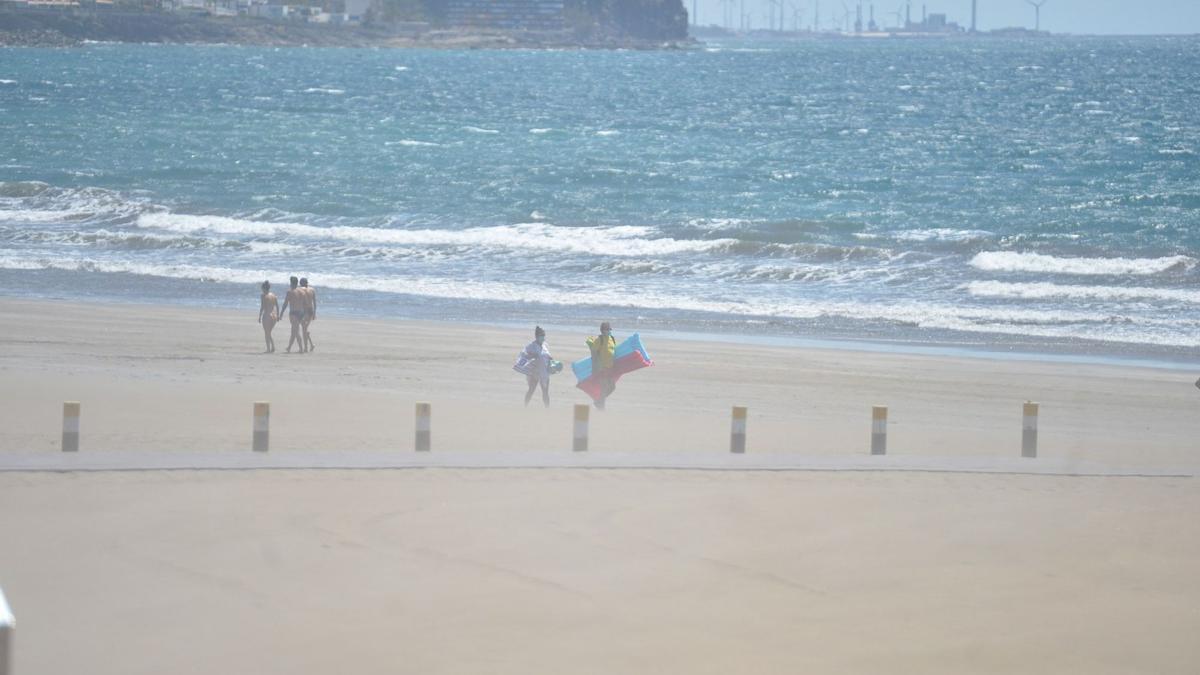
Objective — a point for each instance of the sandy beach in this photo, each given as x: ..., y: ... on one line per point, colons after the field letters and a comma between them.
x: 459, y: 570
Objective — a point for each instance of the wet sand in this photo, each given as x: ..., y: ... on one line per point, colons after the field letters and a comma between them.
x: 566, y: 570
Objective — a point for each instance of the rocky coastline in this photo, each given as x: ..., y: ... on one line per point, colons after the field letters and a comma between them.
x: 66, y: 28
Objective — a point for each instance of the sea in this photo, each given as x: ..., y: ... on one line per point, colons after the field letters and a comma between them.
x: 1018, y: 196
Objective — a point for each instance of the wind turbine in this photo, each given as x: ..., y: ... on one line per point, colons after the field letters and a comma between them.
x: 1037, y: 14
x: 728, y: 14
x: 797, y: 10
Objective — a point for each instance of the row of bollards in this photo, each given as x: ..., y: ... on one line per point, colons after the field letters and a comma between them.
x: 579, y: 434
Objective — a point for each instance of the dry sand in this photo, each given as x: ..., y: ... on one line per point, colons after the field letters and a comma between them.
x: 573, y: 571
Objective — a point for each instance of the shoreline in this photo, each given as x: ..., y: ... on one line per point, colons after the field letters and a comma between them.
x: 935, y: 343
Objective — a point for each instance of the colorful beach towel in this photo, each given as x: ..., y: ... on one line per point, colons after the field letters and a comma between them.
x: 526, y: 364
x: 629, y: 356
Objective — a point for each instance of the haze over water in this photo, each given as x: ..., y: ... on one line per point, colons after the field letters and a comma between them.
x: 1034, y: 194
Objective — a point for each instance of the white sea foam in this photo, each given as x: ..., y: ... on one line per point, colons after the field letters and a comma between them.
x: 8, y: 81
x: 615, y: 241
x: 540, y: 131
x: 608, y: 132
x: 713, y: 224
x: 275, y: 248
x: 31, y: 216
x: 412, y: 143
x: 940, y: 234
x: 481, y: 130
x: 1011, y: 261
x: 1063, y: 323
x: 1048, y: 291
x: 325, y: 90
x: 71, y: 206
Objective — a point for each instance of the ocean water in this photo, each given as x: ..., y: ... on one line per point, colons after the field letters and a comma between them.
x: 1039, y: 195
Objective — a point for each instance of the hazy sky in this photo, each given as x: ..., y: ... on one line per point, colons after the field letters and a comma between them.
x: 1060, y: 16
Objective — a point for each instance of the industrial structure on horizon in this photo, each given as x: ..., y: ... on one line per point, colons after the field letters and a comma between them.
x: 858, y: 20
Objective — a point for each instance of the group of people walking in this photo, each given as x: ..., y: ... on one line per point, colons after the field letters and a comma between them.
x: 301, y: 304
x: 537, y: 364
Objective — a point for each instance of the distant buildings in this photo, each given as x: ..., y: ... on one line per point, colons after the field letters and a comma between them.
x: 333, y: 12
x: 506, y: 14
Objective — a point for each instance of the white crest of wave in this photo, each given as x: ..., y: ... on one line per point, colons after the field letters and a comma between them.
x: 623, y: 240
x: 32, y: 216
x: 940, y: 234
x: 1048, y: 291
x: 66, y: 206
x: 1010, y: 261
x: 481, y: 130
x: 416, y: 144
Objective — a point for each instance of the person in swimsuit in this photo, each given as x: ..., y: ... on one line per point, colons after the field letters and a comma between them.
x: 268, y: 314
x: 310, y: 310
x: 295, y: 300
x: 538, y: 353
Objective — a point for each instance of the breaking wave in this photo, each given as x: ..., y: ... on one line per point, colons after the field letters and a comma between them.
x: 1006, y: 261
x: 613, y: 241
x: 1048, y: 291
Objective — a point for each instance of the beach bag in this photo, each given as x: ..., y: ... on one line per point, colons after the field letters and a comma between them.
x: 525, y: 363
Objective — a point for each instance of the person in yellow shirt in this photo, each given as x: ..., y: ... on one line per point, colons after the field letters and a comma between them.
x: 602, y: 347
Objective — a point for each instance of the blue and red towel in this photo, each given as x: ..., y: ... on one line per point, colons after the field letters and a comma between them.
x: 629, y: 356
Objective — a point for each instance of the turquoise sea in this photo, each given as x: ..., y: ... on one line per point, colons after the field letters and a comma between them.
x: 1032, y: 195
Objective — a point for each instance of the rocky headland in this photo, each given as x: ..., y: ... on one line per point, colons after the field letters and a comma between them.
x: 598, y: 24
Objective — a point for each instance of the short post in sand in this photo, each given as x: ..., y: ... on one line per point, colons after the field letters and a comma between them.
x: 262, y: 426
x: 6, y: 631
x: 424, y: 412
x: 879, y: 430
x: 737, y: 431
x: 1029, y: 430
x: 70, y: 439
x: 580, y: 433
